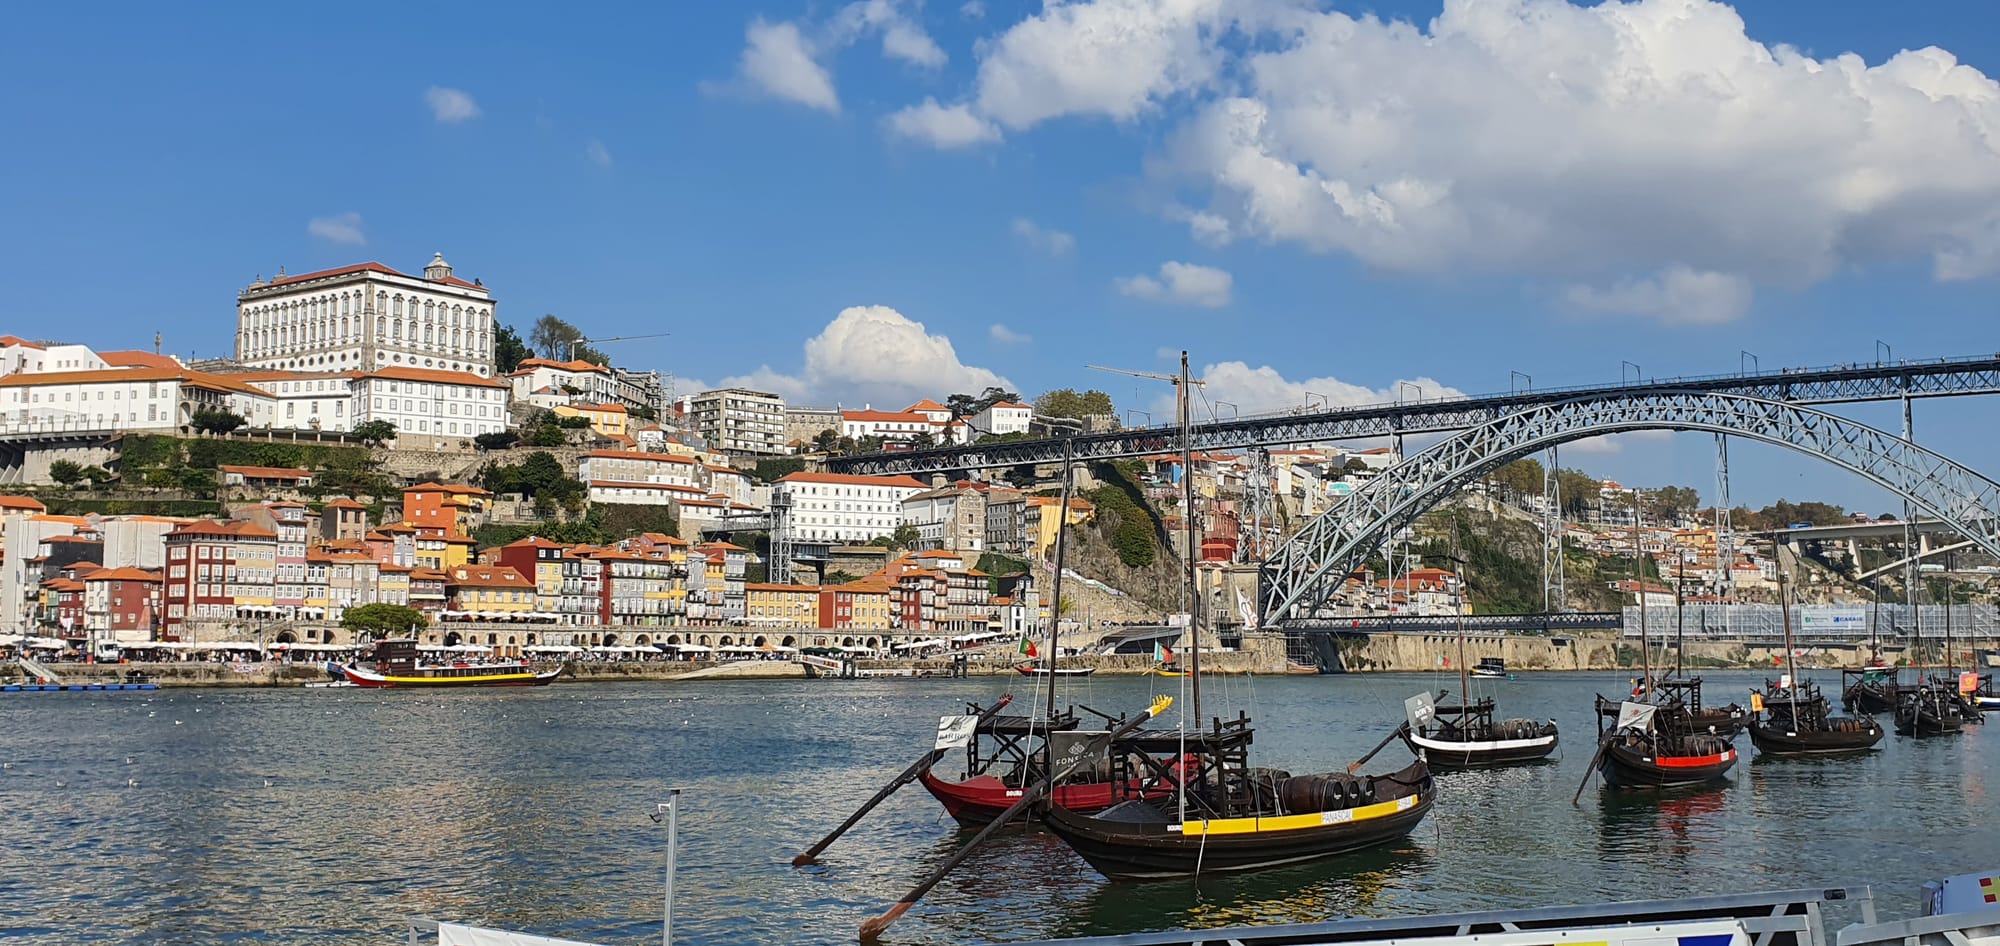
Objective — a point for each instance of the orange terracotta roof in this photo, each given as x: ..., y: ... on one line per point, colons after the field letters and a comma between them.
x: 21, y: 502
x: 14, y: 341
x: 925, y: 405
x: 763, y: 586
x: 267, y: 472
x: 602, y: 408
x: 850, y: 479
x: 487, y: 576
x: 23, y: 379
x: 63, y: 584
x: 533, y: 542
x: 636, y: 455
x: 403, y: 373
x: 625, y: 484
x: 904, y: 417
x: 345, y: 503
x: 452, y: 488
x: 137, y: 359
x: 573, y: 365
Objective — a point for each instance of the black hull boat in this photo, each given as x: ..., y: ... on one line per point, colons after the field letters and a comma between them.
x: 1649, y: 760
x: 1794, y: 720
x: 1870, y: 690
x: 1335, y: 814
x: 1462, y: 739
x: 1683, y: 696
x: 1927, y: 712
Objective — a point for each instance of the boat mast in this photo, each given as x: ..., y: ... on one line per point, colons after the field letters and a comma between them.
x: 1458, y: 559
x: 1181, y: 387
x: 1947, y: 615
x: 1680, y: 609
x: 1055, y: 606
x: 1639, y: 574
x: 1785, y: 613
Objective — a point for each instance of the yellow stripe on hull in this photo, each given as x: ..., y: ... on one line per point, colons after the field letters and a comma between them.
x: 1316, y: 819
x: 433, y: 681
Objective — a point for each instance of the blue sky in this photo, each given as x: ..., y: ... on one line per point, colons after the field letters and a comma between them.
x: 1522, y: 186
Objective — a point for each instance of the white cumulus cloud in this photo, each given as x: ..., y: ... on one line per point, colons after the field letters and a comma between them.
x: 1263, y: 389
x: 1114, y: 58
x: 777, y: 60
x: 1676, y: 295
x: 339, y: 228
x: 1599, y: 142
x: 597, y: 153
x: 874, y: 355
x: 1007, y: 336
x: 941, y: 126
x: 450, y: 106
x: 1043, y: 239
x: 1184, y: 283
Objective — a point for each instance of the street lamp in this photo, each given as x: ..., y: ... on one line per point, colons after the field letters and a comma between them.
x: 1638, y: 374
x: 1511, y: 375
x: 1883, y: 352
x: 1234, y: 413
x: 1740, y: 356
x: 1324, y: 404
x: 1411, y: 385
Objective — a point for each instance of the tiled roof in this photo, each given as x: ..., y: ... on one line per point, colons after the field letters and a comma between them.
x: 850, y: 479
x: 528, y: 364
x: 122, y: 574
x: 636, y: 455
x: 487, y: 576
x: 22, y: 502
x: 452, y: 488
x: 15, y: 341
x: 267, y: 472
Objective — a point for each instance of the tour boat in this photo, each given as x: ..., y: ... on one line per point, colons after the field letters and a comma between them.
x: 1030, y: 670
x: 1490, y: 667
x: 1229, y: 818
x: 396, y: 668
x: 1468, y: 737
x: 1662, y: 752
x: 1790, y: 716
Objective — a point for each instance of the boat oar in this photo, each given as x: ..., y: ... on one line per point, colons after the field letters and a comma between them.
x: 1602, y: 745
x: 872, y: 930
x: 1355, y: 766
x: 907, y: 776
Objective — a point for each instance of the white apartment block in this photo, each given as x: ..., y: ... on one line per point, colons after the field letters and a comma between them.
x: 739, y: 421
x: 1003, y: 417
x: 923, y: 417
x: 653, y: 468
x: 160, y: 395
x: 367, y: 317
x: 838, y: 508
x: 306, y: 401
x: 434, y: 403
x: 546, y: 383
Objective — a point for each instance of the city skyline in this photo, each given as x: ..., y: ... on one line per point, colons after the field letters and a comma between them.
x: 903, y: 200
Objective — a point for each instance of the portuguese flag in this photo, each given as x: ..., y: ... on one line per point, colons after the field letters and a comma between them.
x: 1028, y: 648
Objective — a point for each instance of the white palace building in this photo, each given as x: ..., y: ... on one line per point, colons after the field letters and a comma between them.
x: 366, y: 317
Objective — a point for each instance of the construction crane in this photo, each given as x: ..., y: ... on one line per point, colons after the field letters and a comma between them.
x: 570, y: 346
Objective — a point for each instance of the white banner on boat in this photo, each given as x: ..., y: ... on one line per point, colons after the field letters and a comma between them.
x: 452, y: 934
x: 1419, y: 710
x: 1635, y: 715
x: 955, y: 731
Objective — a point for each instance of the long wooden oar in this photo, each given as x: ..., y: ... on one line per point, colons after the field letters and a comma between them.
x: 907, y: 776
x: 1355, y: 766
x: 872, y: 930
x: 1591, y: 769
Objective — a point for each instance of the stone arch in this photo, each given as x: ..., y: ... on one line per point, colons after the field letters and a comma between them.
x: 453, y: 639
x: 788, y: 641
x: 610, y: 640
x: 286, y: 637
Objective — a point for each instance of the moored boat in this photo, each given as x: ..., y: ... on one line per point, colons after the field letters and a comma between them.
x: 1003, y: 757
x: 1028, y: 670
x: 1870, y: 690
x: 1797, y: 723
x: 1490, y: 667
x: 1653, y: 748
x: 1462, y: 737
x: 396, y: 667
x: 1228, y: 817
x: 1928, y: 711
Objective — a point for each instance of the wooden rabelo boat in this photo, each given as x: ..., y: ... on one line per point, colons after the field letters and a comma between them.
x: 1221, y: 815
x: 1927, y: 710
x: 1789, y: 717
x: 1663, y: 749
x: 396, y: 668
x: 1005, y: 755
x: 1793, y: 720
x: 1871, y: 690
x: 1227, y: 817
x: 1462, y: 736
x: 1465, y: 735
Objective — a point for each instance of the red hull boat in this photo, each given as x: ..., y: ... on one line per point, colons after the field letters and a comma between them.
x: 976, y: 801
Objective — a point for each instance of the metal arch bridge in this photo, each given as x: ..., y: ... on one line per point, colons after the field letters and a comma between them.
x: 1299, y: 578
x: 1878, y: 381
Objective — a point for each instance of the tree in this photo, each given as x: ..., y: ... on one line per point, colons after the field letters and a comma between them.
x: 1522, y: 477
x: 65, y: 472
x: 509, y: 350
x: 558, y: 340
x: 643, y: 412
x: 547, y: 436
x: 838, y: 577
x: 1579, y: 491
x: 497, y: 440
x: 923, y: 441
x: 210, y: 420
x: 826, y: 441
x: 539, y: 470
x: 1066, y: 402
x: 376, y: 621
x: 1354, y: 465
x: 375, y: 432
x: 99, y: 476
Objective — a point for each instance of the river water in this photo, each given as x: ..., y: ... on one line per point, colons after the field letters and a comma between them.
x: 327, y: 816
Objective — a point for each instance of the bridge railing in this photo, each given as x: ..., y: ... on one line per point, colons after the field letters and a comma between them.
x: 1896, y: 623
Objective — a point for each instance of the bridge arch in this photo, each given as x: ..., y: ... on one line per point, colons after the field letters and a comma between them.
x: 1299, y: 578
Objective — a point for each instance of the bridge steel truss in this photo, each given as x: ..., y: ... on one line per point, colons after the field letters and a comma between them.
x: 1299, y: 579
x: 1837, y: 385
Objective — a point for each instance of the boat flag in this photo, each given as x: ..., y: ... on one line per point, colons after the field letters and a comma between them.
x: 1968, y: 682
x: 1028, y: 648
x: 453, y: 934
x: 1635, y: 715
x: 1756, y: 702
x: 955, y: 731
x: 1161, y: 654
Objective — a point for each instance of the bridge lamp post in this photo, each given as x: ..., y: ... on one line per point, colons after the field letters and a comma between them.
x: 1324, y: 404
x: 1411, y: 385
x: 1638, y: 373
x: 1133, y: 410
x: 1740, y: 367
x: 1522, y: 375
x: 1884, y: 353
x: 1234, y: 412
